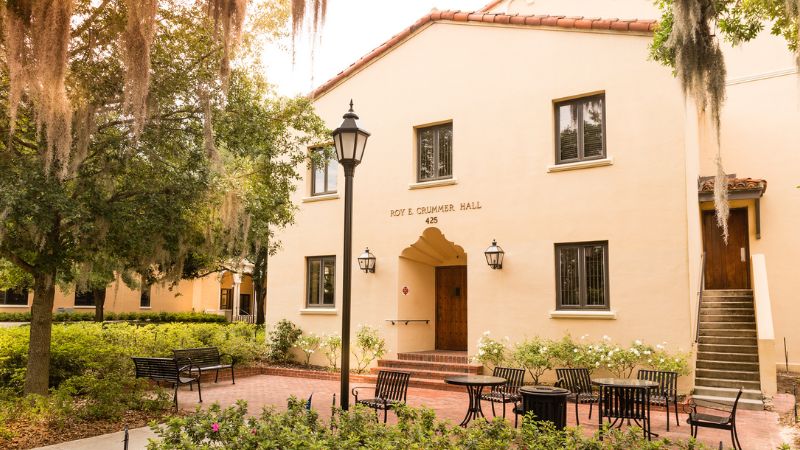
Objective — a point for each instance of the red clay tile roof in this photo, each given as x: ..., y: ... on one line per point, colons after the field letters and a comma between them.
x: 735, y: 184
x: 581, y: 23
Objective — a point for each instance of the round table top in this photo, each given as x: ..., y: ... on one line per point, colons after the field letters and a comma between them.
x: 624, y: 382
x: 475, y: 380
x: 543, y: 390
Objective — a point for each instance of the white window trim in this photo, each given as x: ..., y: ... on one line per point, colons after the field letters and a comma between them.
x: 83, y: 307
x: 319, y: 311
x: 583, y: 314
x: 433, y: 184
x: 145, y: 307
x: 319, y: 198
x: 607, y: 161
x: 14, y: 306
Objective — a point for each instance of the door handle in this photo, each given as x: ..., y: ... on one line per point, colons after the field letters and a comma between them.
x: 742, y: 253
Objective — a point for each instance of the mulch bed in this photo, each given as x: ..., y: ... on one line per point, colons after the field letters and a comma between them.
x: 29, y: 434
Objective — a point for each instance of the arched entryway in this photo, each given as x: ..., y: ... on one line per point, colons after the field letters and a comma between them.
x: 432, y: 274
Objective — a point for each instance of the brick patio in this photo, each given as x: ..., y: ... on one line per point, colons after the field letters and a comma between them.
x: 757, y: 429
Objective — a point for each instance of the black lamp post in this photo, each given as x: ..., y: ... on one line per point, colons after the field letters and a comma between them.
x: 494, y: 255
x: 350, y: 141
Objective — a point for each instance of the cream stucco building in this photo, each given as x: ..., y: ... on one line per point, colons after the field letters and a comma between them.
x: 557, y: 137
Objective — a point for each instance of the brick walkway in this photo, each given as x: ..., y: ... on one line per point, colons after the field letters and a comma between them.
x: 757, y: 429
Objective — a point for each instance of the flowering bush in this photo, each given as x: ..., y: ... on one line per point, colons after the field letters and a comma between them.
x: 369, y: 346
x: 416, y: 428
x: 491, y: 352
x: 331, y: 345
x: 535, y: 355
x: 308, y: 344
x: 281, y: 339
x: 661, y: 359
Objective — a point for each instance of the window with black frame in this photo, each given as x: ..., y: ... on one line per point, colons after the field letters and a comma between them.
x: 14, y: 297
x: 84, y: 298
x: 321, y: 281
x: 435, y: 152
x: 582, y: 275
x: 323, y: 176
x: 225, y: 299
x: 580, y: 129
x: 144, y: 297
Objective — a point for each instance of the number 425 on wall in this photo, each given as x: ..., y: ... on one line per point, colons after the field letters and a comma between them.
x: 432, y: 219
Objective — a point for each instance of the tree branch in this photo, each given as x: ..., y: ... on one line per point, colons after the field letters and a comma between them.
x: 17, y: 261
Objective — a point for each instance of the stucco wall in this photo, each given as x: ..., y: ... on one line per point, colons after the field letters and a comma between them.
x: 497, y: 85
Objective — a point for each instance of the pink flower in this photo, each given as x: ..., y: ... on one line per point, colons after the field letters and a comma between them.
x: 215, y: 427
x: 253, y: 431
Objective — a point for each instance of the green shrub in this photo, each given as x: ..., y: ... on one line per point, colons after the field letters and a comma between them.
x: 332, y: 348
x: 417, y: 428
x: 369, y: 346
x: 491, y: 352
x: 190, y: 317
x: 282, y: 339
x: 308, y: 344
x: 535, y: 355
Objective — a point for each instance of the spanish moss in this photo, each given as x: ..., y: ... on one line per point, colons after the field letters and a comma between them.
x: 138, y: 39
x: 228, y: 16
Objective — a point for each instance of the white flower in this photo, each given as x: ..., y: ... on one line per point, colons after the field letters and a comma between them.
x: 486, y: 333
x: 606, y: 338
x: 584, y: 336
x: 597, y: 364
x: 647, y: 352
x: 637, y: 342
x: 574, y: 350
x: 659, y: 347
x: 661, y: 360
x: 543, y: 349
x: 677, y: 359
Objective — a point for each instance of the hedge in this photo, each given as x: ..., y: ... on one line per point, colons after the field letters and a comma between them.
x: 152, y: 317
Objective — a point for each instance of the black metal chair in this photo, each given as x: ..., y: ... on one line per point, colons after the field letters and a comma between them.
x: 578, y: 382
x: 621, y: 403
x: 508, y: 392
x: 390, y: 390
x: 667, y: 389
x: 724, y: 422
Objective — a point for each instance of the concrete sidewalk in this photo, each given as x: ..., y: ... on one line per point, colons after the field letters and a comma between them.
x: 113, y: 441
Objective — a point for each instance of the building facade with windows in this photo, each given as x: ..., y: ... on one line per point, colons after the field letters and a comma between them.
x: 225, y: 293
x: 559, y: 139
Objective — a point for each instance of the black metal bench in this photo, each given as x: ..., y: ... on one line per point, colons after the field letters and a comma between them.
x: 166, y: 370
x: 204, y: 359
x: 390, y: 390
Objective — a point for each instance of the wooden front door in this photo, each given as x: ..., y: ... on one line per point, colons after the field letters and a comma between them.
x: 727, y: 266
x: 451, y: 308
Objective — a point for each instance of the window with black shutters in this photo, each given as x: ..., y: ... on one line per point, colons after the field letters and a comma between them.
x: 16, y: 297
x: 435, y: 152
x: 84, y: 298
x: 321, y: 281
x: 580, y: 129
x: 323, y: 176
x: 582, y: 275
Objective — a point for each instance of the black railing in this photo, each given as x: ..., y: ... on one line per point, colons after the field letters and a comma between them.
x: 700, y: 296
x: 249, y: 318
x: 407, y: 321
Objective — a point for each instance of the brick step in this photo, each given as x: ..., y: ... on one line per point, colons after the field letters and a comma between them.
x: 434, y: 356
x: 734, y: 293
x: 726, y: 383
x: 727, y: 365
x: 747, y: 394
x: 743, y: 375
x: 427, y: 365
x: 752, y: 405
x: 729, y: 340
x: 725, y: 356
x: 708, y: 325
x: 726, y: 311
x: 731, y: 332
x: 426, y: 374
x: 743, y: 318
x: 720, y: 348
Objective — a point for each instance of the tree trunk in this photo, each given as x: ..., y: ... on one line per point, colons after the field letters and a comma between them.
x: 260, y: 285
x: 38, y: 371
x: 99, y: 296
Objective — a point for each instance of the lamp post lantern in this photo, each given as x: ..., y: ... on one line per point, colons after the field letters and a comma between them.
x: 366, y: 261
x: 350, y: 141
x: 494, y: 255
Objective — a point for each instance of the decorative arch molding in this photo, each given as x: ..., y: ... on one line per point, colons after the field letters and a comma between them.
x: 434, y: 249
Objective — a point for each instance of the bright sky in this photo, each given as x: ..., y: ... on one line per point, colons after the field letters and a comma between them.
x: 352, y: 29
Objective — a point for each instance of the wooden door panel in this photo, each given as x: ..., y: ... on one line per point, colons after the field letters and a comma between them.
x: 451, y: 308
x: 727, y: 265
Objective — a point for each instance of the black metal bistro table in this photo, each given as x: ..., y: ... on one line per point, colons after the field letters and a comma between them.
x: 475, y: 385
x: 623, y: 398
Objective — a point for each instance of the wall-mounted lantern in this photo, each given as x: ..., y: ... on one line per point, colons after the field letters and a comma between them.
x: 494, y: 255
x: 366, y: 261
